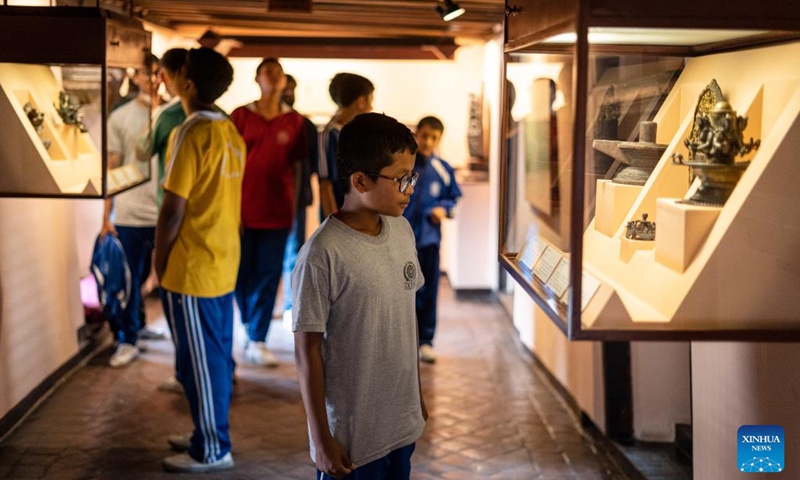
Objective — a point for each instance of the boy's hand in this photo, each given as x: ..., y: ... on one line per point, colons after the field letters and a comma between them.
x: 438, y: 214
x: 108, y: 229
x: 333, y: 460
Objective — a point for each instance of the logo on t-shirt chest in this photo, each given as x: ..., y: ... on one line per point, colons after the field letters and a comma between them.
x: 410, y: 274
x: 283, y: 137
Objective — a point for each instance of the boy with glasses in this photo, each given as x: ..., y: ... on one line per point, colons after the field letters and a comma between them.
x: 435, y: 200
x: 353, y: 312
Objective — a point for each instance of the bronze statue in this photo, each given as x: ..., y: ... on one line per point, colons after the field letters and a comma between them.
x: 717, y: 139
x: 35, y: 116
x: 37, y: 120
x: 721, y: 136
x: 69, y: 112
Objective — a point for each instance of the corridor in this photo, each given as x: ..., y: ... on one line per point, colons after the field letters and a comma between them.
x: 493, y: 414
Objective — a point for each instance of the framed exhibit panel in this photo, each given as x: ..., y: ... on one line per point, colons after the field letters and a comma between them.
x: 645, y: 190
x: 62, y: 71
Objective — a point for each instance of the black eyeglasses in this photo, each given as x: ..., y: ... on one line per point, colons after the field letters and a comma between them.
x: 403, y: 182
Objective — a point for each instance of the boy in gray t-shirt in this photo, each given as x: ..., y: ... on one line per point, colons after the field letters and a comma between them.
x: 354, y: 312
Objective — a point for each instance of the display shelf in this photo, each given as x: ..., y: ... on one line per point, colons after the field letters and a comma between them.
x: 723, y: 272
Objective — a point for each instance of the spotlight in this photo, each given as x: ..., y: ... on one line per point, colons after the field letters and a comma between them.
x: 449, y: 10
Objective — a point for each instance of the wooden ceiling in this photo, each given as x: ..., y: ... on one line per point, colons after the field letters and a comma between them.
x: 345, y: 28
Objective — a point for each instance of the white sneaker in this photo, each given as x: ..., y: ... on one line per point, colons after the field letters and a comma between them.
x: 427, y: 354
x: 182, y: 462
x: 259, y: 354
x: 171, y: 385
x: 125, y: 354
x: 150, y: 333
x: 180, y: 443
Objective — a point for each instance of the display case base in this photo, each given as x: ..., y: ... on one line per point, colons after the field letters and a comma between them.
x: 612, y: 204
x: 682, y: 229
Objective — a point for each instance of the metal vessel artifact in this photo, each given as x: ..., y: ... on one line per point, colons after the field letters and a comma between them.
x: 639, y: 158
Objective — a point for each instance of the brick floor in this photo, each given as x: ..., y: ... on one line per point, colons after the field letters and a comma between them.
x: 492, y: 415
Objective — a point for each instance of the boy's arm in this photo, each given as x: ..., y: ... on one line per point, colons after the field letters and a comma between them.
x: 331, y: 457
x: 446, y: 205
x: 170, y: 218
x: 419, y: 380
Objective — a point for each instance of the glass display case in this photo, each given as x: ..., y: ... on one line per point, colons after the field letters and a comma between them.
x: 644, y: 187
x: 62, y: 71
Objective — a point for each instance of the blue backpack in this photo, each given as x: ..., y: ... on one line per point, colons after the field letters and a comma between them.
x: 112, y: 274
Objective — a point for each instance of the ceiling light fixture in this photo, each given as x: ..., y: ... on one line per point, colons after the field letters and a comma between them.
x: 449, y: 10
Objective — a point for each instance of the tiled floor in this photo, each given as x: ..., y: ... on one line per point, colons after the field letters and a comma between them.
x: 492, y: 415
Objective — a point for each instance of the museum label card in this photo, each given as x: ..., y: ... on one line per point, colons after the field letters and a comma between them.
x: 531, y: 252
x: 546, y: 264
x: 131, y: 173
x: 118, y: 177
x: 589, y: 286
x: 559, y: 280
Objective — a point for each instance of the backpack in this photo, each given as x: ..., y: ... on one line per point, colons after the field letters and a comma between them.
x: 112, y: 274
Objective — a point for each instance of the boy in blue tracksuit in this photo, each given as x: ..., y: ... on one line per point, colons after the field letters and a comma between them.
x: 436, y: 195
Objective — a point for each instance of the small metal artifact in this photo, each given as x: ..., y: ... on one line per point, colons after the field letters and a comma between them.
x: 35, y: 116
x: 641, y: 229
x: 639, y: 158
x: 69, y: 112
x: 713, y: 152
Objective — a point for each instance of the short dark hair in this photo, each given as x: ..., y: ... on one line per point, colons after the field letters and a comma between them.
x: 367, y: 143
x: 431, y: 122
x: 265, y: 61
x: 211, y: 73
x: 346, y: 88
x: 290, y: 79
x: 174, y: 59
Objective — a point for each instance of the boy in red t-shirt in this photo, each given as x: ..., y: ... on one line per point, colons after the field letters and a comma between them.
x: 275, y: 138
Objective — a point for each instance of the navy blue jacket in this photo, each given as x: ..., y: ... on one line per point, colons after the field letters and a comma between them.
x: 436, y: 187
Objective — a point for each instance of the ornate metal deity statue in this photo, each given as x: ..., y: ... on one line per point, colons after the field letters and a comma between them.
x: 35, y: 116
x: 37, y: 120
x: 69, y: 112
x: 718, y: 138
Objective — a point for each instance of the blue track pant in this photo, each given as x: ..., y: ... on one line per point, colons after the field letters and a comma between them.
x: 203, y: 349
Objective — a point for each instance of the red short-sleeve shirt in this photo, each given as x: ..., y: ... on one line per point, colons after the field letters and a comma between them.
x: 273, y: 146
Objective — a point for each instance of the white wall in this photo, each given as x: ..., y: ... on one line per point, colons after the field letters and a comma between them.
x: 405, y: 89
x: 576, y: 365
x: 737, y: 384
x: 661, y: 386
x: 40, y: 307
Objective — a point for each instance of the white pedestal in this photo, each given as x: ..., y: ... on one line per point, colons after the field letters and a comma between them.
x: 470, y: 258
x: 680, y: 231
x: 612, y: 203
x: 628, y: 247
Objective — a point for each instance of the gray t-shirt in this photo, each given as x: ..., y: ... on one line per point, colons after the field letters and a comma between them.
x: 359, y: 290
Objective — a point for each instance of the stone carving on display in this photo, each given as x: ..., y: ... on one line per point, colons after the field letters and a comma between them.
x: 639, y: 158
x: 641, y: 229
x: 716, y: 140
